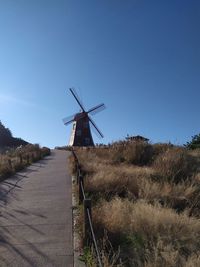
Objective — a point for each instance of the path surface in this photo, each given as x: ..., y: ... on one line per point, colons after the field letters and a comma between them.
x: 36, y: 215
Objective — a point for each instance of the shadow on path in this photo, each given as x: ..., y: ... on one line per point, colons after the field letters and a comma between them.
x: 30, y: 234
x: 9, y: 184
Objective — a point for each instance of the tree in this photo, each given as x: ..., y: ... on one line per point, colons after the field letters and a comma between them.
x: 194, y: 143
x: 5, y: 135
x: 7, y: 140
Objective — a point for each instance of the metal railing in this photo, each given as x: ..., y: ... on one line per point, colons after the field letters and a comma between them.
x: 89, y: 234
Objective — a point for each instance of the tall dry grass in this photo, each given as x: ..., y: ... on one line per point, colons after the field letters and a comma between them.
x: 175, y: 165
x: 16, y: 159
x: 147, y: 198
x: 137, y: 153
x: 148, y: 234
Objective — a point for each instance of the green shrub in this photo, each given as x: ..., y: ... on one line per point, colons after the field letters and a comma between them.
x: 194, y: 143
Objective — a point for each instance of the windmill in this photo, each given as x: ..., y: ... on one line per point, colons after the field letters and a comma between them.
x: 81, y: 133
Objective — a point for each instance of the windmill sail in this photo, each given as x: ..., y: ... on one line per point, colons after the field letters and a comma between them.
x: 69, y: 119
x: 96, y: 109
x: 96, y: 129
x: 73, y: 91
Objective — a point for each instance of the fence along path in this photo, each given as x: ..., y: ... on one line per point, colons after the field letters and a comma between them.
x: 89, y: 235
x: 36, y: 215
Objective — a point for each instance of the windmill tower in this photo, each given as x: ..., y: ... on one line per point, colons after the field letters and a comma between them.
x: 81, y: 133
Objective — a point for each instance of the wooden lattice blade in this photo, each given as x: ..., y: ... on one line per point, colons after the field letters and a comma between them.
x: 96, y: 109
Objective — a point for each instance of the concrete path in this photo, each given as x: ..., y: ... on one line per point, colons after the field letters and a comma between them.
x: 36, y: 215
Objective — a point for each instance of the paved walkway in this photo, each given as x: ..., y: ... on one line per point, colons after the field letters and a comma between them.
x: 36, y: 215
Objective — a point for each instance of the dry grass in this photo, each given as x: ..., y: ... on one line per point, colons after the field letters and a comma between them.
x: 176, y: 196
x: 109, y: 181
x: 137, y: 153
x: 16, y: 159
x: 147, y: 233
x: 147, y: 198
x: 175, y: 165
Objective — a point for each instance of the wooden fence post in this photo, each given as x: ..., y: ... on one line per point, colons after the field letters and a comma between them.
x: 20, y: 158
x: 10, y: 163
x: 87, y: 230
x: 28, y: 159
x: 81, y: 185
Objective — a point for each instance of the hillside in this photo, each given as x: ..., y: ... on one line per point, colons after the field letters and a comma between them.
x: 16, y: 154
x: 7, y: 140
x: 146, y: 203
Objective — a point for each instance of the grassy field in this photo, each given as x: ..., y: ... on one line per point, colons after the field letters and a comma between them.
x: 146, y: 203
x: 14, y: 160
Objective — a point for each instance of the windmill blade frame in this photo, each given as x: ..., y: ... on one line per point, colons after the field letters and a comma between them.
x: 96, y: 109
x: 95, y: 128
x: 68, y: 119
x: 75, y: 95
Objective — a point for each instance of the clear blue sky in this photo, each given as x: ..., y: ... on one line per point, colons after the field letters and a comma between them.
x: 140, y: 57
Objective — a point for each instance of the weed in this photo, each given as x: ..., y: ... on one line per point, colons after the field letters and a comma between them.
x: 87, y: 257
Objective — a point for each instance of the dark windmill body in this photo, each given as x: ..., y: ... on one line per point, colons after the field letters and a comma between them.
x: 81, y: 133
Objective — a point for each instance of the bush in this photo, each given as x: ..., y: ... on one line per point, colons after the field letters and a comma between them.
x: 18, y: 166
x: 160, y: 148
x: 194, y: 143
x: 138, y: 153
x: 5, y: 171
x: 175, y: 165
x: 45, y: 151
x: 117, y: 154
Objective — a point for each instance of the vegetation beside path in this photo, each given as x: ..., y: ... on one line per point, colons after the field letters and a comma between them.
x: 146, y: 203
x: 16, y: 159
x: 16, y: 154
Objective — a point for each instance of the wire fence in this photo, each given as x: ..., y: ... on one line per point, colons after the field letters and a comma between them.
x: 89, y: 234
